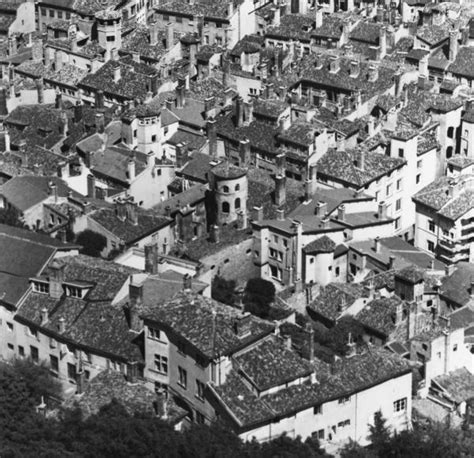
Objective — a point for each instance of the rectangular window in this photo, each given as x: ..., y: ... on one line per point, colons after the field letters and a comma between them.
x: 400, y: 405
x: 183, y: 377
x: 166, y: 17
x: 419, y: 164
x: 397, y: 223
x: 154, y: 333
x: 418, y: 177
x: 11, y: 346
x: 200, y: 418
x: 60, y: 14
x: 398, y: 204
x: 401, y: 152
x: 110, y: 38
x: 389, y: 190
x: 200, y: 387
x: 431, y: 225
x: 431, y: 246
x: 344, y: 400
x: 275, y: 238
x: 10, y: 326
x: 399, y: 184
x: 34, y: 354
x: 51, y: 13
x: 320, y: 434
x: 54, y: 363
x: 43, y: 12
x: 317, y: 410
x: 161, y: 364
x: 21, y: 350
x: 71, y: 372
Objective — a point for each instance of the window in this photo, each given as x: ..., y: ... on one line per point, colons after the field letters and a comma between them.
x: 183, y: 377
x: 68, y: 15
x: 431, y: 225
x: 419, y: 164
x: 455, y: 347
x: 73, y: 292
x: 21, y: 350
x: 200, y: 418
x: 179, y: 20
x: 450, y: 132
x: 51, y: 13
x: 389, y: 189
x: 33, y: 332
x: 400, y: 152
x: 71, y: 372
x: 400, y: 405
x: 34, y: 354
x: 166, y: 17
x: 275, y: 239
x: 10, y: 326
x: 161, y: 364
x: 154, y: 333
x: 11, y: 346
x: 337, y: 271
x: 237, y: 187
x: 377, y: 195
x: 275, y: 272
x: 317, y: 410
x: 200, y: 387
x: 60, y: 14
x: 237, y: 203
x: 225, y: 207
x: 397, y: 223
x: 311, y: 260
x: 449, y: 152
x: 320, y: 434
x: 41, y: 287
x: 398, y: 204
x: 344, y: 423
x: 344, y: 400
x: 431, y: 246
x: 399, y: 184
x: 418, y: 177
x: 54, y: 363
x: 110, y: 38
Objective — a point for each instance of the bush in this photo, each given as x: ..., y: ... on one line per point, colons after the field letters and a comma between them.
x: 258, y: 296
x: 92, y: 243
x: 222, y: 290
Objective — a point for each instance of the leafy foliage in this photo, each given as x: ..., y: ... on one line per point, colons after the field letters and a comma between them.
x: 11, y: 217
x: 92, y: 242
x: 258, y: 296
x: 222, y: 290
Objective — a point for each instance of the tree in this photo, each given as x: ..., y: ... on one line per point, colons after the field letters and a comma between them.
x: 379, y: 433
x: 92, y: 242
x: 222, y: 290
x: 11, y: 217
x: 258, y: 296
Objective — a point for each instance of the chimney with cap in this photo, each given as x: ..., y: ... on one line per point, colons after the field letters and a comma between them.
x: 151, y: 258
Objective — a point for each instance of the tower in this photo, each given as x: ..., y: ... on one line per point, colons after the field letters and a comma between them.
x: 109, y: 31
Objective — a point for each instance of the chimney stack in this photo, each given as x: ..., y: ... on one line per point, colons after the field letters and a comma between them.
x: 212, y: 137
x: 169, y: 36
x: 99, y: 99
x: 280, y: 190
x: 91, y: 189
x: 239, y: 111
x: 44, y: 316
x: 153, y: 34
x: 187, y: 282
x: 117, y: 74
x: 382, y: 212
x: 383, y: 41
x: 214, y: 234
x: 373, y: 73
x: 151, y: 258
x: 453, y: 45
x: 40, y: 90
x: 131, y: 169
x: 100, y: 123
x: 377, y: 244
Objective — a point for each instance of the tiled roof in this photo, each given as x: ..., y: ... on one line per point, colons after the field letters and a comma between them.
x: 335, y: 298
x: 461, y: 161
x: 227, y: 171
x: 207, y: 324
x: 331, y: 28
x: 347, y: 376
x: 69, y: 74
x: 24, y: 192
x: 292, y: 26
x: 270, y: 363
x: 380, y: 314
x: 208, y: 9
x: 433, y: 34
x: 148, y: 222
x: 189, y: 197
x: 463, y: 64
x: 268, y: 108
x: 458, y: 384
x: 248, y: 44
x: 456, y: 287
x: 367, y: 32
x: 197, y: 167
x: 133, y: 83
x: 321, y: 245
x: 346, y: 164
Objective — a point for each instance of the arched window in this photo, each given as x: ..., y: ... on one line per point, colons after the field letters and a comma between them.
x: 449, y: 152
x: 237, y: 187
x: 237, y: 203
x: 225, y: 207
x: 225, y: 188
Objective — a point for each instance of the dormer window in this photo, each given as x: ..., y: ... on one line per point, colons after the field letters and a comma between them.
x: 40, y: 287
x: 73, y: 291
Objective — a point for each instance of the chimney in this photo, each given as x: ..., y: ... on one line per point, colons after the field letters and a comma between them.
x: 91, y: 189
x: 169, y: 36
x: 352, y: 349
x: 333, y: 64
x: 44, y: 316
x: 354, y: 69
x: 62, y: 325
x: 131, y: 169
x: 117, y: 75
x: 320, y: 209
x: 239, y: 111
x: 40, y: 90
x: 280, y: 190
x: 99, y: 99
x: 180, y: 92
x: 391, y: 262
x: 244, y: 152
x: 7, y: 141
x: 214, y: 234
x: 212, y: 137
x: 135, y: 295
x: 288, y: 342
x: 449, y: 269
x: 373, y: 73
x: 59, y: 100
x: 382, y: 212
x: 58, y: 61
x: 226, y: 71
x: 12, y: 47
x: 319, y: 17
x: 398, y: 83
x: 277, y: 59
x: 310, y: 331
x: 228, y: 94
x: 187, y: 282
x: 421, y: 82
x: 100, y: 123
x: 341, y: 212
x: 399, y: 312
x: 56, y: 279
x: 264, y: 69
x: 248, y: 112
x: 383, y: 41
x: 453, y: 45
x: 64, y: 123
x: 280, y: 214
x: 257, y: 213
x: 181, y: 155
x: 423, y: 66
x: 242, y: 325
x: 377, y: 244
x: 154, y: 34
x: 151, y: 258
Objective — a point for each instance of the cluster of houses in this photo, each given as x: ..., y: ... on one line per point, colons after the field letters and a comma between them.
x: 326, y: 147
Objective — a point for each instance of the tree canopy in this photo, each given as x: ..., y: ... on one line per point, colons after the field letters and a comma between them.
x: 92, y: 242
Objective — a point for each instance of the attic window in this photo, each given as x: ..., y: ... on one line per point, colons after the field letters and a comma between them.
x: 73, y: 291
x: 41, y: 287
